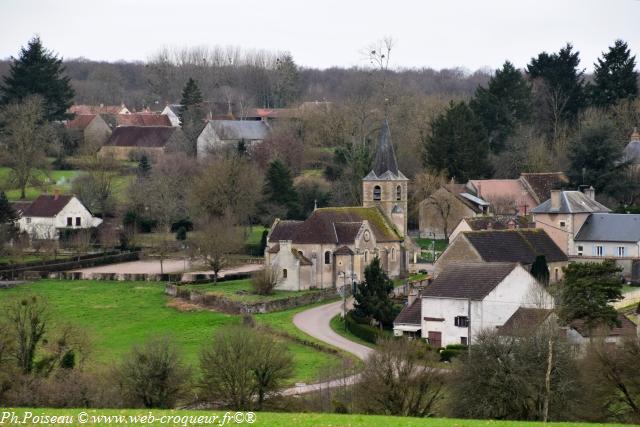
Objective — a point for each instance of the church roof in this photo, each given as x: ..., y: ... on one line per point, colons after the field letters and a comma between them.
x: 385, y: 165
x: 338, y: 226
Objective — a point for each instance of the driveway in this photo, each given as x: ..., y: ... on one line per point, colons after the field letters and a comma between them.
x: 315, y: 322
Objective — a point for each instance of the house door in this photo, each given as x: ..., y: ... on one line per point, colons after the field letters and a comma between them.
x: 435, y: 339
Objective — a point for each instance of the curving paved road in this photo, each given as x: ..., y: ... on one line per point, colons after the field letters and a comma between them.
x: 315, y: 322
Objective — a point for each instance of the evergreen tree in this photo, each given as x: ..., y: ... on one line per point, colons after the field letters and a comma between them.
x: 8, y: 220
x: 286, y: 88
x: 614, y: 76
x: 595, y: 157
x: 563, y: 91
x: 588, y: 291
x: 191, y: 99
x: 503, y: 104
x: 540, y: 270
x: 38, y: 72
x: 144, y: 166
x: 458, y: 144
x: 372, y: 296
x: 279, y: 188
x: 192, y: 115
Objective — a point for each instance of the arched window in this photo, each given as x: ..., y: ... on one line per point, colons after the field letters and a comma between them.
x: 377, y: 193
x: 327, y: 257
x: 366, y: 256
x: 393, y: 254
x: 284, y: 273
x: 398, y: 193
x: 557, y: 274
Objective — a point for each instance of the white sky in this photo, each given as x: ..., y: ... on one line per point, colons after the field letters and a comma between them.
x: 324, y: 33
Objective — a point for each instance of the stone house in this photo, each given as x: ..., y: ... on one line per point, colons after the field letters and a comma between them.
x: 490, y: 246
x: 218, y: 134
x: 48, y: 214
x: 93, y: 129
x: 172, y: 111
x: 564, y: 213
x: 333, y: 246
x: 506, y: 196
x: 443, y: 210
x: 468, y: 298
x: 153, y: 140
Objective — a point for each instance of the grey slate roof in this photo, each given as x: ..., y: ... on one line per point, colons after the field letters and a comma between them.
x: 572, y: 202
x: 521, y: 245
x: 609, y: 227
x: 385, y: 165
x: 410, y: 314
x: 468, y: 280
x: 250, y: 130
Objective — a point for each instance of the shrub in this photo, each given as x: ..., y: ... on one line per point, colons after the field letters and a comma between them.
x: 264, y: 281
x: 361, y: 330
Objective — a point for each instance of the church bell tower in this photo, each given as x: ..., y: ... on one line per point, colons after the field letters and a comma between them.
x: 385, y: 186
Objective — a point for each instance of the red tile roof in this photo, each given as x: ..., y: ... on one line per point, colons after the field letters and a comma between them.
x: 143, y: 119
x: 140, y: 136
x: 81, y: 121
x: 46, y: 205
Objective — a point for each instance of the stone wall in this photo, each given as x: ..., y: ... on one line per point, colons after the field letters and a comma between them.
x: 227, y: 305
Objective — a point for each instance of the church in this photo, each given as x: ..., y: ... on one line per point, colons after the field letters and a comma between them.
x: 333, y: 246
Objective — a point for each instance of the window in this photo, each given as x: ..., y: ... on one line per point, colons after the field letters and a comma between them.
x: 556, y: 273
x: 327, y: 257
x: 284, y: 273
x: 621, y: 251
x: 69, y: 221
x: 461, y: 321
x: 377, y: 193
x: 463, y: 340
x: 398, y: 193
x: 599, y: 250
x: 28, y: 220
x: 393, y: 254
x: 563, y: 224
x: 580, y: 250
x: 78, y: 221
x: 366, y: 256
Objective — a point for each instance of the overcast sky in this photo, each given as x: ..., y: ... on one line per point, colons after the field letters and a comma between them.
x: 472, y: 34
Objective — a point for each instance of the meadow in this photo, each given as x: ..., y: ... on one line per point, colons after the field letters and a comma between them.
x: 96, y: 417
x: 119, y: 315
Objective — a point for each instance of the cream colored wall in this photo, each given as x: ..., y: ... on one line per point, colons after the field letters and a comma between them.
x: 388, y: 199
x: 562, y: 236
x: 460, y: 250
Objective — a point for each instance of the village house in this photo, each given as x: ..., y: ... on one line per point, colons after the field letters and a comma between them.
x: 443, y: 210
x: 46, y: 216
x: 218, y: 134
x: 172, y: 111
x: 519, y: 245
x: 506, y: 196
x: 142, y: 119
x: 468, y: 298
x: 94, y: 129
x: 334, y: 245
x: 152, y: 140
x: 564, y: 213
x: 528, y: 320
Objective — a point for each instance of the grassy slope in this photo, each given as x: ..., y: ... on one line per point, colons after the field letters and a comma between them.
x: 118, y: 315
x: 294, y: 419
x: 230, y: 290
x: 58, y: 178
x: 337, y: 325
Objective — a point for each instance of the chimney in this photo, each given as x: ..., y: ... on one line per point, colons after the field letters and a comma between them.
x: 413, y: 295
x: 56, y: 194
x: 590, y: 192
x: 555, y: 199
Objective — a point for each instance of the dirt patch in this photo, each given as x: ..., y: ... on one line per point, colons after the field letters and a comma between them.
x: 182, y: 305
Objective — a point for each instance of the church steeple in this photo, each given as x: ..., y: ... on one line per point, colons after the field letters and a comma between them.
x: 385, y: 186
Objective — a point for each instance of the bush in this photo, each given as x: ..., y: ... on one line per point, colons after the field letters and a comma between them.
x: 452, y: 350
x: 361, y: 330
x: 265, y: 281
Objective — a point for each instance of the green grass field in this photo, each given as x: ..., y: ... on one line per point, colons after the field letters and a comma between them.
x: 119, y: 315
x: 60, y: 179
x: 241, y: 290
x: 94, y: 417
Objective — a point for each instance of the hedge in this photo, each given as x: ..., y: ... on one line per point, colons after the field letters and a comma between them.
x: 363, y: 331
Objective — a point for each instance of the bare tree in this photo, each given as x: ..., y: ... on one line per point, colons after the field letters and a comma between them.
x: 265, y: 281
x: 28, y: 319
x: 397, y: 380
x: 215, y: 240
x: 96, y: 187
x: 24, y: 135
x: 443, y: 206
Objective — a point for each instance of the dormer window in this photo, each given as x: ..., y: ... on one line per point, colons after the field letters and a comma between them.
x: 399, y: 193
x: 377, y: 193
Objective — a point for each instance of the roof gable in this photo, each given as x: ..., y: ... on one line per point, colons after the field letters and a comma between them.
x: 572, y: 202
x: 542, y: 183
x: 47, y: 205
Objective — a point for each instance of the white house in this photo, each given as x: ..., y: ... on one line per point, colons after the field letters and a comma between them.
x: 222, y: 133
x: 467, y: 298
x: 172, y: 111
x: 48, y: 214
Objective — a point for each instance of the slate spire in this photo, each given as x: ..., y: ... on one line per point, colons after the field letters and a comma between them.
x: 385, y: 155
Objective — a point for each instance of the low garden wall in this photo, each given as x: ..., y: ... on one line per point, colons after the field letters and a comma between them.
x: 227, y: 305
x: 145, y: 277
